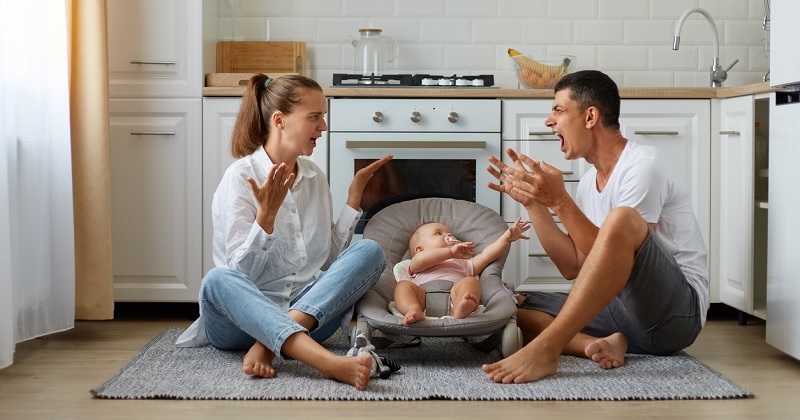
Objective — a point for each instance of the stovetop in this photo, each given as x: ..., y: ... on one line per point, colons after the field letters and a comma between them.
x: 415, y: 80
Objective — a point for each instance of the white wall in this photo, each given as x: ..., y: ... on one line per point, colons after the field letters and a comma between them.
x: 631, y: 40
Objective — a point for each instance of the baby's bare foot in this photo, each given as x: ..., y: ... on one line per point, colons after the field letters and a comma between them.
x: 413, y: 316
x: 608, y: 352
x: 468, y: 304
x: 258, y: 361
x: 350, y: 370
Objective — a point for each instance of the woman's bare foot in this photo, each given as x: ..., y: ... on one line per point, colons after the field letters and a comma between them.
x: 529, y: 364
x: 414, y: 316
x: 608, y: 352
x: 468, y: 304
x: 258, y: 361
x: 350, y: 370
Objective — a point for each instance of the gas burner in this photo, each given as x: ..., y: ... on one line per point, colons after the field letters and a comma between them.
x: 417, y: 80
x: 371, y: 80
x: 483, y: 80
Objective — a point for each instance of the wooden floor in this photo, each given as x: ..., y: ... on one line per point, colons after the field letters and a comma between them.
x: 52, y: 376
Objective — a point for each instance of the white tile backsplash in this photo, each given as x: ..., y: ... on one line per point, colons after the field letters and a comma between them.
x: 631, y: 40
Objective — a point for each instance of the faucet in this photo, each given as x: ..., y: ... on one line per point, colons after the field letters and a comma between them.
x: 718, y: 74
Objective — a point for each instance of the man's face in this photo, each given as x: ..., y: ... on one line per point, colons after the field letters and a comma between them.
x: 568, y: 123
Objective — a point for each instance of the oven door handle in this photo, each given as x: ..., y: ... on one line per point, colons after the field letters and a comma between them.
x: 357, y: 144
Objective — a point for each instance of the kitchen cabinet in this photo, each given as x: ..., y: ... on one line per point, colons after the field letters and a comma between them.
x: 680, y: 128
x: 155, y: 155
x: 219, y: 116
x: 154, y: 48
x: 743, y: 176
x: 156, y: 68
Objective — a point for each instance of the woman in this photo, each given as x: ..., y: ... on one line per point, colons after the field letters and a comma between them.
x: 284, y: 276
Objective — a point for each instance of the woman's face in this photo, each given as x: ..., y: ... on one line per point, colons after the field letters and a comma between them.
x: 305, y: 124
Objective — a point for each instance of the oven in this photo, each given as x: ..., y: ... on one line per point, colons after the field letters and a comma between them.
x: 440, y: 149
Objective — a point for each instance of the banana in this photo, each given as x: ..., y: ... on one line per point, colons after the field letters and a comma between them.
x: 536, y: 74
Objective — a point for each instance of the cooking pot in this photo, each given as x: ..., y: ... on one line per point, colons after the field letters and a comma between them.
x: 374, y: 52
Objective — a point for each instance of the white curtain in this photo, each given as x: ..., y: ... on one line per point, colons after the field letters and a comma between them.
x: 37, y: 264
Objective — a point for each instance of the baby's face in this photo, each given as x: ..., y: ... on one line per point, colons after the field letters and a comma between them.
x: 434, y: 235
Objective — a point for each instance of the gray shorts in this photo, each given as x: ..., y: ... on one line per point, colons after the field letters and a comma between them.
x: 657, y: 310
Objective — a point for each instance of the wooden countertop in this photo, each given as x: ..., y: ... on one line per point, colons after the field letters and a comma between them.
x: 422, y: 92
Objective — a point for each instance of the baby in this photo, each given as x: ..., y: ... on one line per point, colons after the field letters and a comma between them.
x: 437, y: 255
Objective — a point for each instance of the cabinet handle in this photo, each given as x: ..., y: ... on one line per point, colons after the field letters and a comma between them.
x: 655, y: 133
x: 168, y: 63
x: 153, y: 133
x: 729, y: 132
x: 538, y: 255
x: 540, y: 133
x: 352, y: 144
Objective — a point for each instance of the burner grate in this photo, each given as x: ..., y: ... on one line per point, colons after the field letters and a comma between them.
x: 423, y: 80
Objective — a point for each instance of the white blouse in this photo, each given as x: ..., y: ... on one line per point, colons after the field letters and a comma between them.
x: 304, y: 243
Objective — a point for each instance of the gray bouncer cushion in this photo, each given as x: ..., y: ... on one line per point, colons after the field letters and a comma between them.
x: 392, y: 227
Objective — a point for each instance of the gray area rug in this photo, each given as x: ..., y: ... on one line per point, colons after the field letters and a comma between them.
x: 440, y: 368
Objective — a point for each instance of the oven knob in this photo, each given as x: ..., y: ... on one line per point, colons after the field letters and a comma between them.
x: 477, y: 82
x: 453, y: 117
x: 429, y: 82
x: 445, y: 82
x: 463, y: 82
x: 377, y: 116
x: 416, y: 117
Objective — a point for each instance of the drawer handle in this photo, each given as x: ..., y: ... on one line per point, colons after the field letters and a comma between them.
x: 168, y: 63
x: 352, y: 144
x: 540, y: 133
x: 729, y: 133
x: 538, y: 255
x: 655, y: 133
x: 153, y: 133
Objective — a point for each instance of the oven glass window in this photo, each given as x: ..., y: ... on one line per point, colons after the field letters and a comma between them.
x: 407, y: 179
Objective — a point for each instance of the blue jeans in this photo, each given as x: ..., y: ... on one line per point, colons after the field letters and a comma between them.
x: 237, y: 314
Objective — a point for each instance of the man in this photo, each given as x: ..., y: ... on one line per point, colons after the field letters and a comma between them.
x: 633, y: 247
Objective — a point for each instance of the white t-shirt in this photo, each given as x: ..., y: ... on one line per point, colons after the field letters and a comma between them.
x: 644, y: 181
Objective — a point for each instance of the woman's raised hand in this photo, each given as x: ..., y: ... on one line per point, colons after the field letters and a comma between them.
x: 271, y: 193
x: 361, y: 179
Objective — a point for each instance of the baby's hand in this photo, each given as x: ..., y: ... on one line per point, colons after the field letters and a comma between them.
x: 517, y: 230
x: 462, y: 250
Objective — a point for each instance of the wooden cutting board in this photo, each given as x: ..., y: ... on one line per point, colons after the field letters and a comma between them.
x: 235, y: 79
x: 261, y: 57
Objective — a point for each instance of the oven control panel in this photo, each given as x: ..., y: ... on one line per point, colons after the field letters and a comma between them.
x: 415, y: 115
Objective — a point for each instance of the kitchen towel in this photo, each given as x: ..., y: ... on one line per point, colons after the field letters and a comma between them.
x: 440, y: 368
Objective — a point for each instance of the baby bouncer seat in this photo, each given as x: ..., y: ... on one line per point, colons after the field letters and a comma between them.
x: 494, y: 326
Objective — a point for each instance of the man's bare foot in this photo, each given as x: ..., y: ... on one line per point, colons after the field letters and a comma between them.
x: 350, y: 370
x: 529, y: 364
x: 414, y: 316
x: 608, y: 352
x: 468, y: 304
x: 258, y: 361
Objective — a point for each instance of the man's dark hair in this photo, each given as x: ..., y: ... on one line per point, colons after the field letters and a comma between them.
x: 593, y: 88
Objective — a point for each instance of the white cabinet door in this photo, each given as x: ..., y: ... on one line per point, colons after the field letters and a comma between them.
x: 681, y: 128
x: 219, y: 116
x: 156, y: 199
x: 528, y: 266
x: 736, y: 191
x: 155, y: 48
x: 743, y: 169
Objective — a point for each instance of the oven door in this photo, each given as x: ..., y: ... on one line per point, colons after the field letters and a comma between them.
x: 449, y: 165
